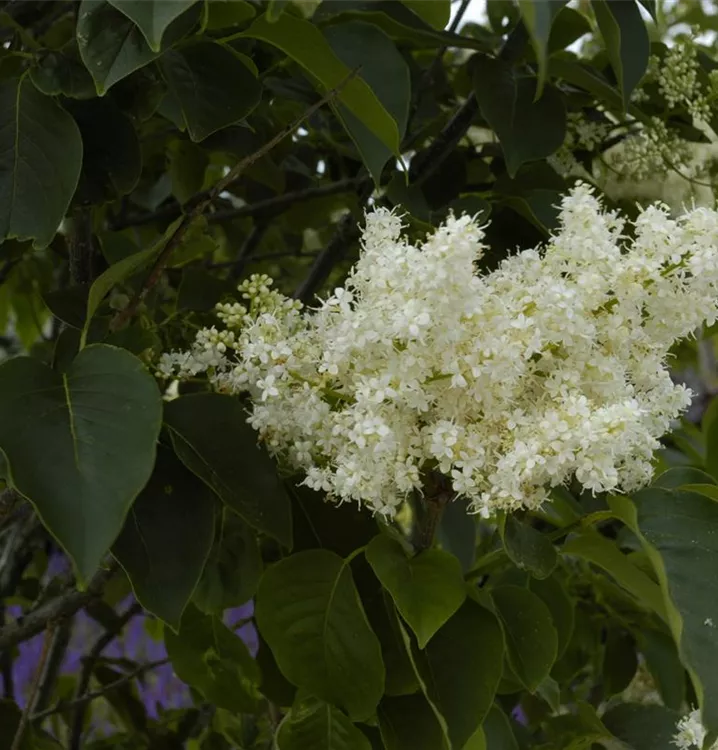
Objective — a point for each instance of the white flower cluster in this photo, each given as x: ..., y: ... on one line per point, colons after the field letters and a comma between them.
x: 508, y: 383
x: 691, y: 732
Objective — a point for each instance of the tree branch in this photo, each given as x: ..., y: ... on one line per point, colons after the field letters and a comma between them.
x: 265, y: 208
x: 199, y: 208
x: 88, y: 666
x: 24, y: 719
x: 89, y: 697
x: 61, y: 606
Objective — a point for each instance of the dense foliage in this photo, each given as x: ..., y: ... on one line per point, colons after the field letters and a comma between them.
x: 167, y: 580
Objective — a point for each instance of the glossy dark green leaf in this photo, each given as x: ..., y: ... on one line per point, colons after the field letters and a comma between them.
x: 567, y: 26
x: 222, y: 14
x: 112, y: 161
x: 214, y: 661
x: 187, y: 165
x: 318, y: 725
x: 626, y: 38
x: 427, y: 588
x: 384, y: 69
x: 681, y: 529
x: 620, y: 661
x: 592, y: 546
x: 560, y: 605
x: 152, y: 17
x: 461, y: 668
x: 305, y: 44
x: 68, y: 305
x: 643, y: 727
x: 233, y: 568
x: 212, y: 85
x: 436, y: 13
x: 211, y: 435
x: 408, y: 723
x: 674, y: 479
x: 664, y: 664
x: 93, y: 430
x: 538, y: 17
x: 527, y: 129
x: 166, y: 538
x: 62, y: 72
x: 40, y: 160
x: 528, y: 548
x: 529, y: 632
x: 457, y: 529
x: 585, y: 77
x: 110, y: 44
x: 309, y: 612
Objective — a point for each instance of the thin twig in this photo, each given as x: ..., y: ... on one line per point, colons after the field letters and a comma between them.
x: 250, y: 244
x: 100, y: 693
x: 264, y: 208
x: 24, y: 719
x: 83, y: 683
x: 199, y: 208
x: 61, y: 606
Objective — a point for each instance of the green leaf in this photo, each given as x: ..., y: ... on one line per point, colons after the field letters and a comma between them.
x: 642, y: 727
x: 309, y: 612
x: 305, y: 44
x: 40, y: 160
x: 212, y: 86
x: 120, y: 271
x: 110, y: 45
x: 33, y: 739
x: 528, y: 548
x: 187, y: 165
x: 461, y: 668
x: 317, y: 725
x: 93, y: 431
x: 457, y: 529
x: 531, y: 639
x: 674, y: 479
x: 560, y: 605
x: 233, y: 569
x: 112, y: 162
x: 626, y: 38
x: 214, y: 661
x: 498, y: 732
x: 436, y: 13
x: 586, y: 78
x: 427, y: 589
x: 384, y: 69
x: 222, y: 14
x: 528, y: 130
x: 620, y: 661
x: 568, y: 26
x: 681, y: 529
x: 211, y: 436
x: 664, y: 664
x: 538, y: 17
x: 592, y: 546
x: 275, y: 8
x: 62, y: 72
x: 166, y: 538
x: 152, y: 17
x: 202, y: 290
x: 408, y: 723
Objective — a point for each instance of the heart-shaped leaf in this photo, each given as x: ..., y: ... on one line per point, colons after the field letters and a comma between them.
x: 152, y: 17
x: 427, y: 589
x: 80, y: 445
